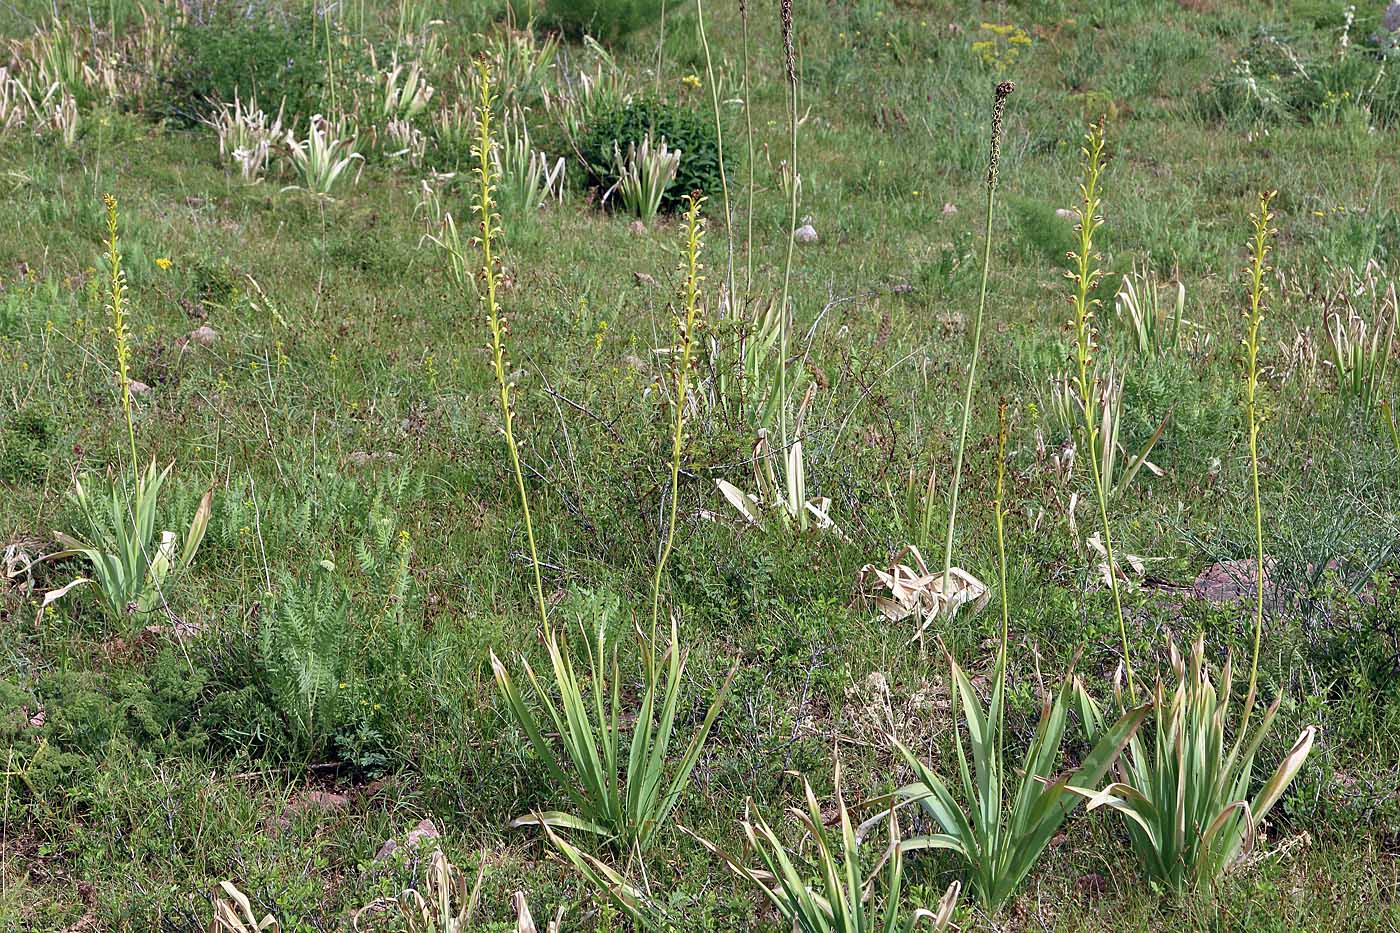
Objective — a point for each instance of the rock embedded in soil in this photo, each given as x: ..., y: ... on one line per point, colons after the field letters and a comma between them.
x: 805, y: 234
x: 1231, y: 579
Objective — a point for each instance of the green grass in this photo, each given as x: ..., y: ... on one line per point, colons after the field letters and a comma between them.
x: 348, y: 411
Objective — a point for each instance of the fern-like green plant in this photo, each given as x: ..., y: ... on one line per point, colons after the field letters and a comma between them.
x: 304, y: 647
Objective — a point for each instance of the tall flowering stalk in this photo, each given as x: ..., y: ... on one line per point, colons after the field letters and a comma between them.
x: 1003, y: 91
x: 1258, y: 265
x: 116, y: 307
x: 686, y: 323
x: 489, y: 282
x: 1085, y: 274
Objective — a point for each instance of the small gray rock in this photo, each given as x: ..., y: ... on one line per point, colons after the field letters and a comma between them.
x: 204, y: 335
x: 137, y: 387
x: 805, y: 234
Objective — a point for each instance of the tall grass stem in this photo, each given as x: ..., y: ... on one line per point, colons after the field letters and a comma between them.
x: 748, y: 129
x: 719, y: 149
x: 785, y: 321
x: 1003, y: 90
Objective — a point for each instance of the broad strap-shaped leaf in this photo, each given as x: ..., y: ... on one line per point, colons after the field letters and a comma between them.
x: 933, y: 795
x: 632, y: 901
x: 1283, y: 775
x: 556, y: 819
x: 198, y: 526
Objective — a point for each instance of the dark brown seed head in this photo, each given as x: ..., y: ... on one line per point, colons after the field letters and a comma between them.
x: 789, y: 53
x: 1003, y: 91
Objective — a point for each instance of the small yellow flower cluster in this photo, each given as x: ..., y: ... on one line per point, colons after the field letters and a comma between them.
x: 1000, y: 45
x: 691, y: 81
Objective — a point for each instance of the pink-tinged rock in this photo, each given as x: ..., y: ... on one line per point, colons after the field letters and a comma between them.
x: 1231, y: 579
x: 425, y: 830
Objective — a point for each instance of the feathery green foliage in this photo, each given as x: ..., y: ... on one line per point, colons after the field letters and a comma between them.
x: 305, y: 644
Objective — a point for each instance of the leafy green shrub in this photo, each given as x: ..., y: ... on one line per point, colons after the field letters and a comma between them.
x: 682, y: 129
x: 1279, y: 78
x: 62, y: 726
x: 26, y: 439
x: 603, y: 19
x: 235, y: 55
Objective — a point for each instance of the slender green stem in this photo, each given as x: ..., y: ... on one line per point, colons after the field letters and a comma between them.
x: 121, y: 337
x: 999, y: 508
x: 784, y: 323
x: 1003, y: 90
x: 1086, y: 275
x: 719, y: 146
x: 694, y: 233
x: 490, y: 283
x: 1389, y: 413
x: 1259, y: 253
x: 748, y: 128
